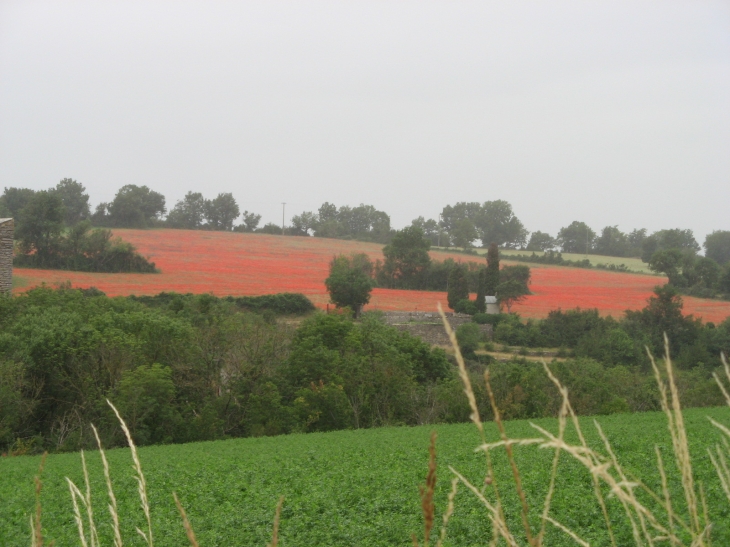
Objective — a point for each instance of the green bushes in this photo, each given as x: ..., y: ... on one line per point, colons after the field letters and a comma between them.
x: 145, y: 396
x: 279, y: 304
x: 195, y: 367
x: 622, y: 341
x: 468, y: 336
x: 182, y: 368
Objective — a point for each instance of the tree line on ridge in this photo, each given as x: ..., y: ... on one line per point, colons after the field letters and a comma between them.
x: 672, y: 252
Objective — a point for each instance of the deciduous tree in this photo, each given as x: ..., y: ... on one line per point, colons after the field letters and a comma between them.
x: 577, y: 237
x: 75, y: 201
x: 431, y: 229
x: 511, y: 291
x: 612, y: 242
x: 669, y: 239
x: 189, y: 212
x: 250, y: 221
x: 540, y: 241
x: 221, y: 212
x: 492, y: 221
x: 13, y: 200
x: 406, y: 259
x: 498, y: 224
x: 40, y: 225
x: 717, y: 246
x: 136, y: 207
x: 350, y: 281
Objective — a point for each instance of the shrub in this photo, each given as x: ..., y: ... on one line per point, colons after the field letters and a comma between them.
x: 282, y: 303
x: 468, y: 307
x: 468, y: 335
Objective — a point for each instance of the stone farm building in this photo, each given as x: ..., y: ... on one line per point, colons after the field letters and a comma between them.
x: 6, y: 255
x: 429, y: 326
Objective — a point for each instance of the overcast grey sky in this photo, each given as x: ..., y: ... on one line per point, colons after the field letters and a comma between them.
x: 606, y: 112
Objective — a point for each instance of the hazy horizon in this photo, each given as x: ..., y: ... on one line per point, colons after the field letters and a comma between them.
x: 611, y: 113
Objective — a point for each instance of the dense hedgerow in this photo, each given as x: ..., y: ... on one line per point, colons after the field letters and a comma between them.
x: 281, y: 303
x: 186, y: 368
x: 693, y: 343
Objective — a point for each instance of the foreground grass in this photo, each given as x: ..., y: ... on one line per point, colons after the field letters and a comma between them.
x: 352, y: 487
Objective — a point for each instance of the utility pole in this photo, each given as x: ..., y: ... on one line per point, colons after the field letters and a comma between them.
x: 283, y: 208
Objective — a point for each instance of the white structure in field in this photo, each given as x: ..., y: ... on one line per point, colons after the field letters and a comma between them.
x: 492, y: 304
x: 6, y: 255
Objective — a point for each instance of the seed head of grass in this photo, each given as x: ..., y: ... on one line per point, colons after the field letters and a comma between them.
x: 141, y: 483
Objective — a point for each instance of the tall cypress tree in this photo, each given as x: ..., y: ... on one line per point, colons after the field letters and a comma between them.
x: 458, y: 286
x: 481, y: 304
x: 492, y: 273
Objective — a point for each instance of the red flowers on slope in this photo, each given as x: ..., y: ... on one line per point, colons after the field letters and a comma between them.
x: 226, y: 263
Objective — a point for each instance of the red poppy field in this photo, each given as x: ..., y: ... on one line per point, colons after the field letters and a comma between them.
x: 238, y: 264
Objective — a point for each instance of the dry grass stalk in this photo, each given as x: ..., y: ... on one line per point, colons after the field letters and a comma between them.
x: 93, y: 535
x: 513, y: 464
x: 727, y: 375
x: 427, y: 490
x: 622, y: 490
x: 186, y: 523
x: 637, y: 529
x: 110, y: 491
x: 77, y: 512
x: 36, y: 533
x: 646, y: 526
x: 572, y: 534
x: 475, y: 418
x: 449, y: 511
x: 667, y: 497
x: 277, y: 518
x: 677, y: 431
x: 141, y: 483
x: 463, y: 374
x: 722, y: 452
x: 566, y: 409
x: 76, y: 495
x: 562, y: 414
x: 720, y: 464
x: 494, y: 512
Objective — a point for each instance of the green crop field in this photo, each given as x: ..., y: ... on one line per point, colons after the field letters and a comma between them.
x: 19, y: 282
x: 633, y: 264
x: 351, y: 487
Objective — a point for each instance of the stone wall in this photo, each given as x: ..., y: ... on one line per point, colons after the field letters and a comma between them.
x: 401, y: 317
x: 6, y: 255
x: 429, y: 327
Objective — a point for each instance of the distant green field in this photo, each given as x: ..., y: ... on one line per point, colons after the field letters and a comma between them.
x: 19, y: 282
x: 349, y: 487
x: 633, y: 264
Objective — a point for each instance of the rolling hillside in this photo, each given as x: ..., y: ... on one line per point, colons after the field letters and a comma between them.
x: 226, y: 263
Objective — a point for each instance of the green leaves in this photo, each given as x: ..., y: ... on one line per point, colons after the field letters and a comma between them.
x: 350, y: 281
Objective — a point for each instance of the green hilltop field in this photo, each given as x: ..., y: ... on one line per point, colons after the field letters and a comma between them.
x: 356, y: 487
x: 632, y: 264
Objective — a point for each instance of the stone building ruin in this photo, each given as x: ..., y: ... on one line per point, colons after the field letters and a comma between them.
x: 6, y: 255
x: 429, y: 327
